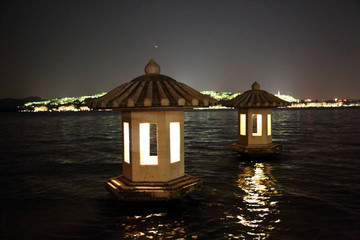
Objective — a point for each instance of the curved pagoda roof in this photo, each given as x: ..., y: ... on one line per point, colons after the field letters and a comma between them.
x: 152, y: 90
x: 256, y: 98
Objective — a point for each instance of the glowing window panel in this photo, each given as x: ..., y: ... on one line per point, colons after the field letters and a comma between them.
x: 243, y: 124
x: 257, y: 123
x: 269, y: 124
x: 174, y: 142
x: 145, y: 158
x: 126, y: 142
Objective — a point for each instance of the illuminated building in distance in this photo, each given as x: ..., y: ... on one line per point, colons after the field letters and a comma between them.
x: 287, y: 98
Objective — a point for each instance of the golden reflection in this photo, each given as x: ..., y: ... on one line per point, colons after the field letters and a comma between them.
x: 258, y: 211
x: 153, y: 226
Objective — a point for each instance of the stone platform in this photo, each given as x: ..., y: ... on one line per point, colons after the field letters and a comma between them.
x: 126, y: 190
x: 254, y: 149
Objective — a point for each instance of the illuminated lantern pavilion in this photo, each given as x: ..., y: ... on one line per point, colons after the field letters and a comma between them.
x: 152, y: 107
x: 255, y: 120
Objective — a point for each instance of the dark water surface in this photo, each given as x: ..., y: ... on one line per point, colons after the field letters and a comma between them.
x: 54, y: 165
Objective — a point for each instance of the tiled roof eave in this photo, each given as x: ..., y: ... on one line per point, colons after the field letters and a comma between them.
x: 256, y: 99
x: 153, y: 91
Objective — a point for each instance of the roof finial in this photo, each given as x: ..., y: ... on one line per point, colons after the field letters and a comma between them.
x: 255, y: 86
x: 152, y: 68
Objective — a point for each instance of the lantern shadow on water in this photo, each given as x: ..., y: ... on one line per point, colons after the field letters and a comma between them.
x: 152, y: 108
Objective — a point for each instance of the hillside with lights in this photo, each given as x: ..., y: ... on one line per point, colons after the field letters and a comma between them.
x: 36, y: 104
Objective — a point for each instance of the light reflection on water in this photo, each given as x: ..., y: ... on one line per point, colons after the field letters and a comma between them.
x: 257, y: 212
x: 151, y: 227
x: 53, y: 169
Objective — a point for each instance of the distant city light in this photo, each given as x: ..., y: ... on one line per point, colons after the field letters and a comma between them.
x: 72, y: 103
x: 287, y: 98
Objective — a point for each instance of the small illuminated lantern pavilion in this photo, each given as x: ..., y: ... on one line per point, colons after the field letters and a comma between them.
x: 255, y: 119
x: 152, y: 107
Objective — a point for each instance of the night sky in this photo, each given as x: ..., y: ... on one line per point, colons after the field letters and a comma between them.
x: 307, y: 49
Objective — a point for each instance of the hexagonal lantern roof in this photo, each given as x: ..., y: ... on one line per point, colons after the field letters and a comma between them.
x: 256, y: 98
x: 152, y: 90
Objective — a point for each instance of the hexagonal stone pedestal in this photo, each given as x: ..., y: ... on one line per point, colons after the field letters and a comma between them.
x: 126, y: 190
x: 253, y: 149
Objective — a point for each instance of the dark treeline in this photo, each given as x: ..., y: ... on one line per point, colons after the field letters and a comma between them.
x: 11, y: 104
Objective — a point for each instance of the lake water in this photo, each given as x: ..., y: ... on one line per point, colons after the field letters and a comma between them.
x: 54, y: 165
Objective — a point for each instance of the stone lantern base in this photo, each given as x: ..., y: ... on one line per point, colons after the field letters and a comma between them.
x: 126, y: 190
x: 256, y: 149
